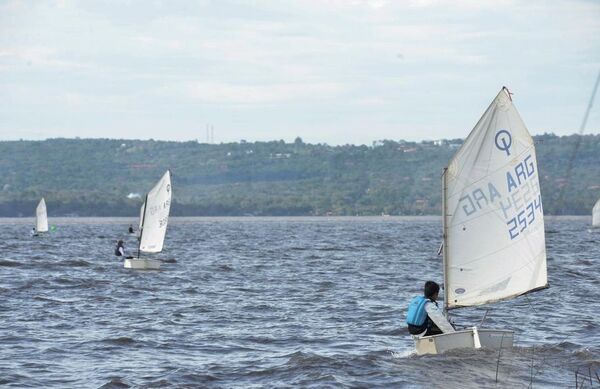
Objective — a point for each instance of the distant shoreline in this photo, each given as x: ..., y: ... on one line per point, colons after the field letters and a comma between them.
x: 195, y: 219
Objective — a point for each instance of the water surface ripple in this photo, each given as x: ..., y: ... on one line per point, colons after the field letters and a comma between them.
x: 274, y: 302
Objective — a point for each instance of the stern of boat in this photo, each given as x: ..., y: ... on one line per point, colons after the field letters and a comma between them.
x: 473, y: 338
x: 142, y: 264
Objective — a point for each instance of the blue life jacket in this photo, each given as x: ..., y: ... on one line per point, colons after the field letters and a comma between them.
x: 417, y: 315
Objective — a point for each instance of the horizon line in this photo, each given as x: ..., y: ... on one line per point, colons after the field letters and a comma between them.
x: 242, y: 141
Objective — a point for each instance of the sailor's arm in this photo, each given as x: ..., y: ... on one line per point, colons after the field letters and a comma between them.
x: 438, y: 318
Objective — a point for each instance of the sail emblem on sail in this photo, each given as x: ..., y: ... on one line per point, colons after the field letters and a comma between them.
x: 503, y: 141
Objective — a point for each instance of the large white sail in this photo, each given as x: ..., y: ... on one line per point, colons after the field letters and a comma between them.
x: 155, y: 215
x: 41, y: 217
x: 596, y: 214
x: 493, y: 220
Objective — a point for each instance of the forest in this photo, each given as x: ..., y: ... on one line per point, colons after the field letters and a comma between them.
x: 109, y: 177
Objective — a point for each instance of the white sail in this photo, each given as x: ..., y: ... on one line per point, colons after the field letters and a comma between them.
x: 142, y: 209
x: 155, y: 216
x: 596, y: 214
x: 41, y: 216
x: 493, y: 220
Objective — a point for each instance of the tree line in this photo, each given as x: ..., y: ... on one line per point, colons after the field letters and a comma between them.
x: 107, y: 177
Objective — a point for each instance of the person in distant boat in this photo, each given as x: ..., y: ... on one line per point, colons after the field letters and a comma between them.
x: 131, y: 229
x: 120, y: 249
x: 424, y: 317
x: 33, y: 232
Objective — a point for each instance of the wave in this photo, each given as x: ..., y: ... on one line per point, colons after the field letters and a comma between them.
x: 115, y: 383
x: 119, y: 341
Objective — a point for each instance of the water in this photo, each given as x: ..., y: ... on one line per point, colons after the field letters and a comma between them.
x: 274, y: 302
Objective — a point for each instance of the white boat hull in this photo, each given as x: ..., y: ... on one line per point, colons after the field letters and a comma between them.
x: 142, y: 264
x: 472, y: 338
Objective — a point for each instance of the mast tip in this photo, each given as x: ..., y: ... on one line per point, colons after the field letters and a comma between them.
x: 508, y: 92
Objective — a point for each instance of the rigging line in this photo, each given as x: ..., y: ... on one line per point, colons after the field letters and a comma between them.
x: 544, y: 361
x: 561, y: 195
x: 532, y: 347
x: 560, y: 203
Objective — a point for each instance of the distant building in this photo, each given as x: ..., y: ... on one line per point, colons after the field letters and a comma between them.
x: 280, y: 155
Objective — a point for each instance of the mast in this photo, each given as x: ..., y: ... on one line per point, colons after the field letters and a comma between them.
x: 445, y: 237
x: 142, y: 229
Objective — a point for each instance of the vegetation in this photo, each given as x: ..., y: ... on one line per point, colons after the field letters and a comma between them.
x: 93, y: 177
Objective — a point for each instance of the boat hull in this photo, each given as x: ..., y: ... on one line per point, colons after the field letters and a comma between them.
x: 142, y: 264
x: 472, y: 338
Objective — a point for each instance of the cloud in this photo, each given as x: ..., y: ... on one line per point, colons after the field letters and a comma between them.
x: 285, y: 66
x: 256, y: 94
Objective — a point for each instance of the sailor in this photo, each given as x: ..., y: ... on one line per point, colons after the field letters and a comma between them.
x: 33, y: 232
x: 131, y: 229
x: 120, y: 250
x: 424, y: 317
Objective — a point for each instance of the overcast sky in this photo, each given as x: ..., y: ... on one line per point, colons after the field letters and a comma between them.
x: 327, y: 71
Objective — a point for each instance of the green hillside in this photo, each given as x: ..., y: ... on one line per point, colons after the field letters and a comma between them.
x: 93, y: 177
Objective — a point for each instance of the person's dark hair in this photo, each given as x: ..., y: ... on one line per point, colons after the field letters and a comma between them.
x: 120, y: 243
x: 430, y: 289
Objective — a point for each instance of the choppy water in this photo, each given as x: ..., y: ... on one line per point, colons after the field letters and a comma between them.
x: 272, y: 303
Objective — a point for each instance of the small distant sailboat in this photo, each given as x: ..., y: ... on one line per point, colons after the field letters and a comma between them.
x: 493, y: 225
x: 41, y: 217
x: 154, y: 217
x: 596, y: 215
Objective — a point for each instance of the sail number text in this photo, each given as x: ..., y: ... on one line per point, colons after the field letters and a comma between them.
x: 525, y: 218
x: 519, y: 200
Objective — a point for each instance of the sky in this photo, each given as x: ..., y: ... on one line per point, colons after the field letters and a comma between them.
x: 329, y: 71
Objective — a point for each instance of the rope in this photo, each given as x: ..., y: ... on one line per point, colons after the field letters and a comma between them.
x: 576, y: 149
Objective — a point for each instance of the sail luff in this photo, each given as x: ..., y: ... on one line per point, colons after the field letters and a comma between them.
x: 445, y: 240
x: 141, y: 228
x: 493, y: 216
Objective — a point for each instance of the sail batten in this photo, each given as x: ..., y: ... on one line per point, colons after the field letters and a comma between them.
x: 41, y: 217
x: 154, y: 216
x: 493, y: 216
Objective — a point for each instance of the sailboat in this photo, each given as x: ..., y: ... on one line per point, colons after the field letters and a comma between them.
x: 41, y: 217
x: 154, y: 217
x: 493, y: 225
x: 596, y: 215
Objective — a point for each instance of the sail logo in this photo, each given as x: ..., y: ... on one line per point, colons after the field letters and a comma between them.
x: 503, y: 141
